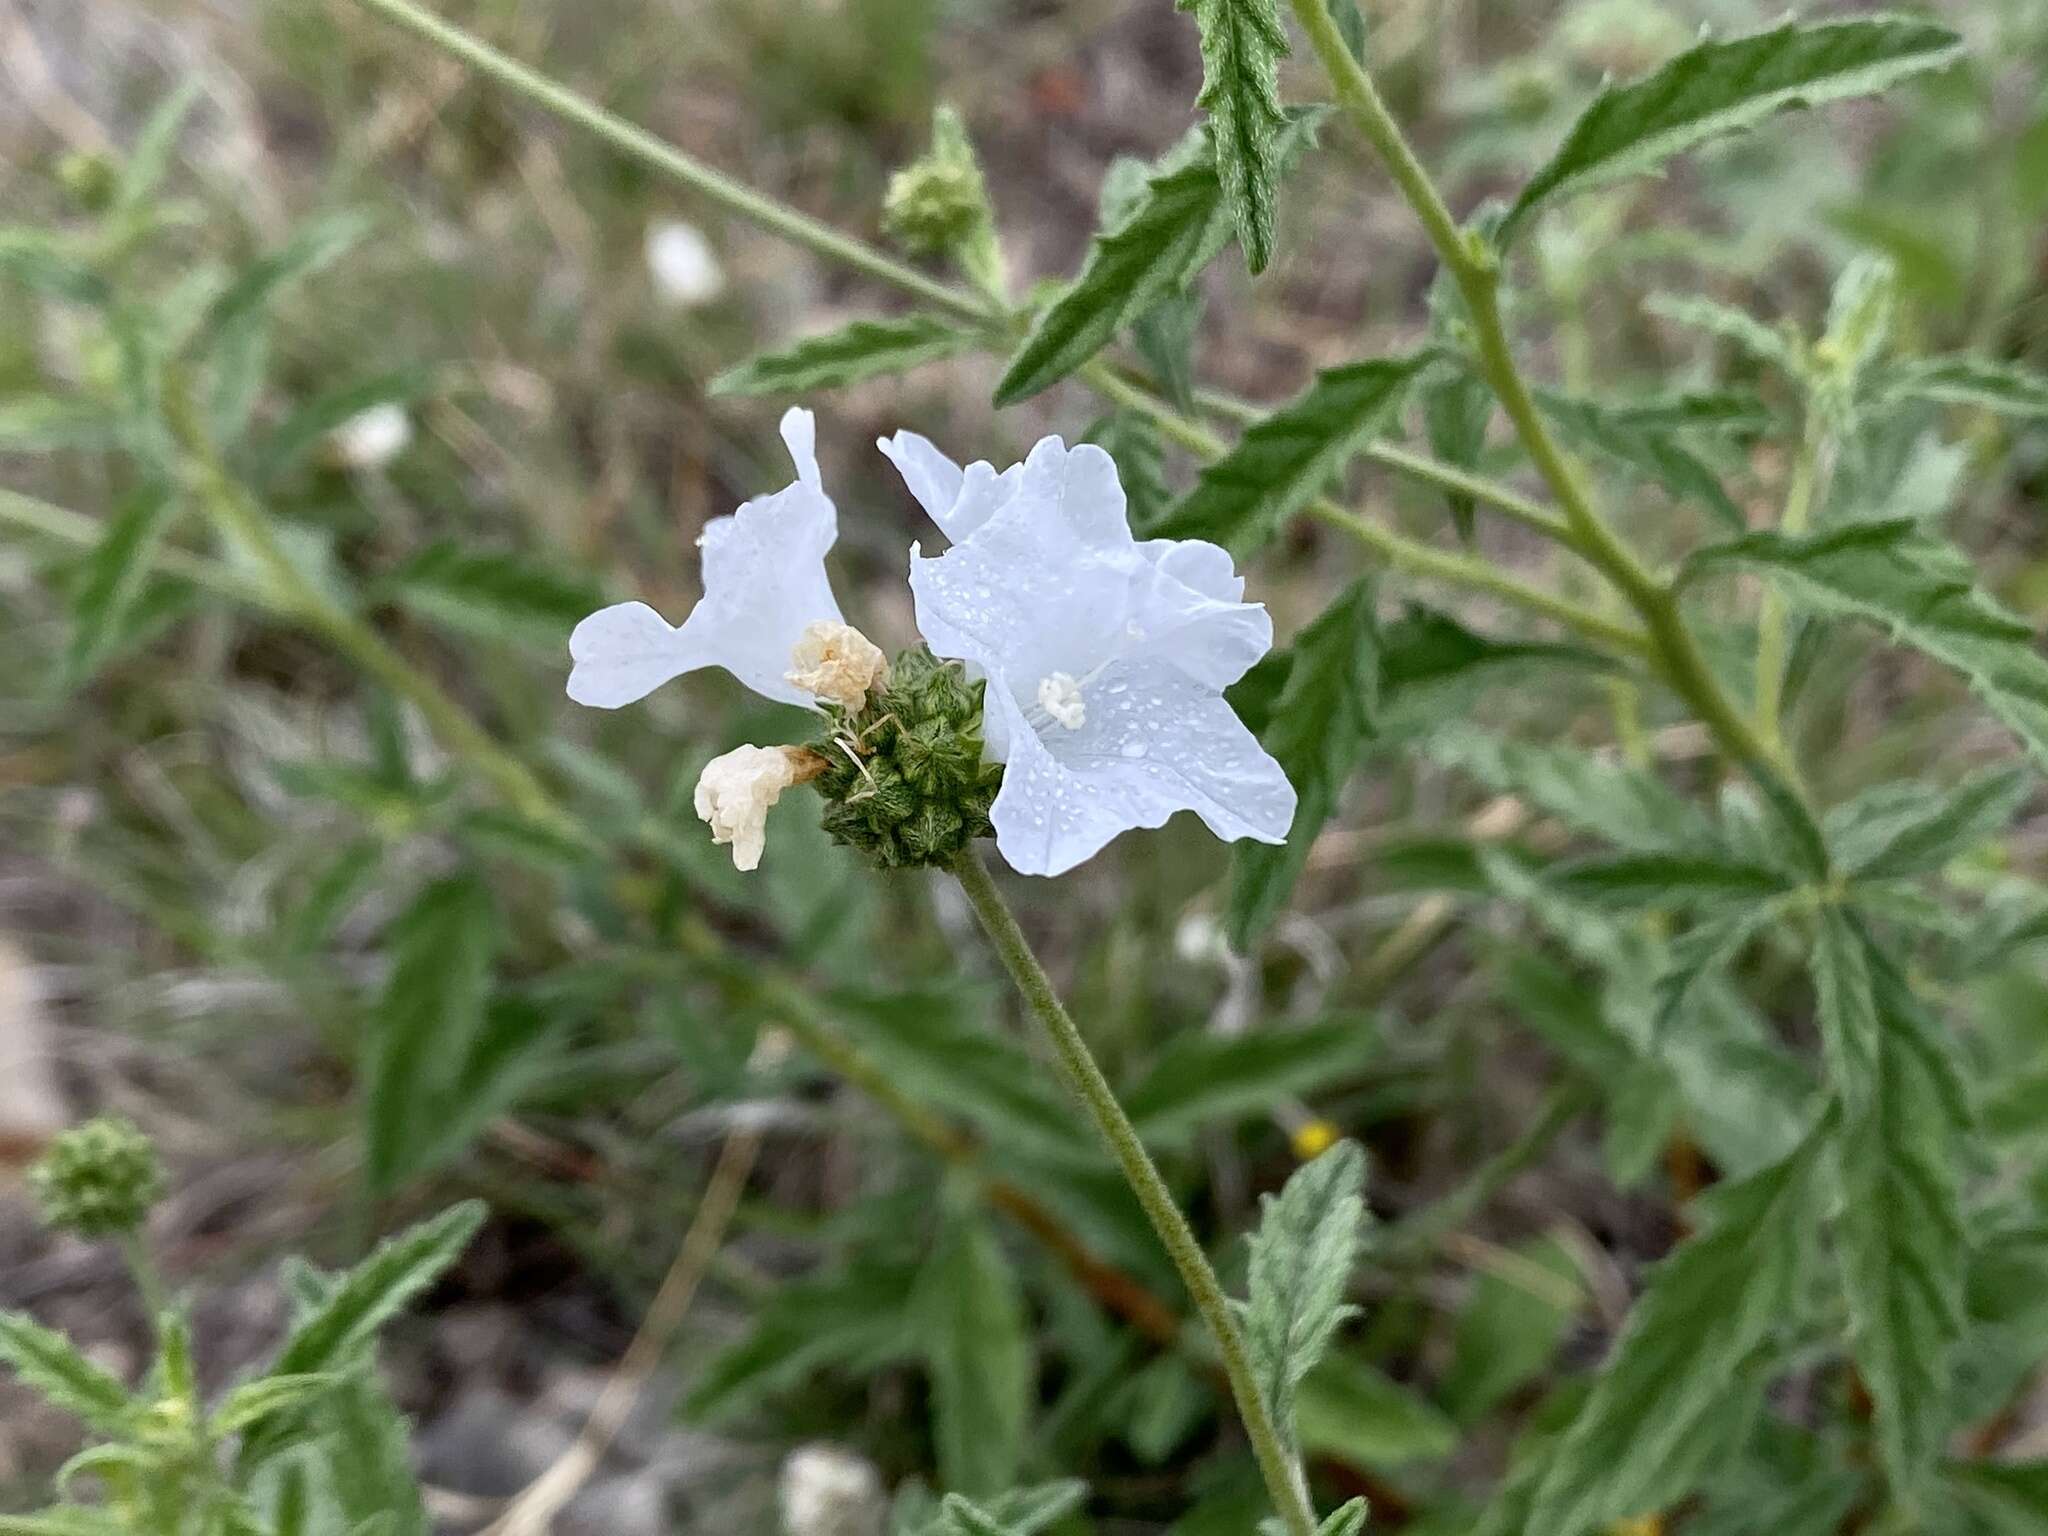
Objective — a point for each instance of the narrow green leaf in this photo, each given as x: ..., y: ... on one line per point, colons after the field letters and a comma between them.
x: 1923, y: 591
x: 1350, y: 1410
x: 1200, y: 1079
x: 1162, y: 238
x: 1164, y: 336
x: 960, y: 1516
x: 854, y: 1319
x: 311, y: 421
x: 1511, y: 1326
x: 978, y: 1350
x: 334, y: 1335
x: 861, y: 349
x: 1456, y: 407
x: 1301, y: 1260
x: 1643, y: 443
x: 254, y: 1401
x: 1719, y: 88
x: 430, y: 1013
x: 493, y: 594
x: 1697, y: 1332
x: 1243, y: 42
x: 1318, y: 728
x: 1022, y: 1511
x: 1738, y: 413
x: 39, y: 423
x: 113, y: 575
x: 1901, y: 1245
x: 1287, y: 459
x: 1349, y: 1519
x: 1604, y: 796
x: 2007, y: 388
x: 1894, y: 830
x: 67, y: 1520
x: 49, y: 1363
x: 150, y: 158
x: 1763, y: 343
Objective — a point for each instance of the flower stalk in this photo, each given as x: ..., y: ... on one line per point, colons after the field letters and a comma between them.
x: 1277, y: 1465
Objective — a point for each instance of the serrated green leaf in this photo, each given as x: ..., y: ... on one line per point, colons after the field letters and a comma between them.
x: 861, y: 349
x: 2007, y: 388
x: 334, y: 1335
x: 1923, y: 591
x: 1301, y: 1259
x: 1285, y: 460
x: 1891, y: 831
x: 254, y: 1401
x: 1646, y: 445
x: 50, y: 1364
x: 1901, y: 1244
x: 1164, y: 336
x: 493, y: 594
x: 1667, y: 880
x: 1350, y: 1518
x: 1718, y: 88
x: 979, y: 1354
x: 1700, y: 1328
x: 1318, y: 729
x: 1243, y: 42
x: 960, y: 1516
x: 1627, y: 806
x: 1760, y: 341
x: 113, y: 575
x: 1202, y: 1078
x: 1017, y: 1511
x: 1162, y: 239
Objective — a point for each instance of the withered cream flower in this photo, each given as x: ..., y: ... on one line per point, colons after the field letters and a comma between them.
x: 837, y: 663
x: 735, y: 791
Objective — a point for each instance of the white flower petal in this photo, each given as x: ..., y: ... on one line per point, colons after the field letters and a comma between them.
x: 625, y: 652
x: 764, y: 584
x: 959, y: 501
x: 1079, y: 487
x: 1198, y: 564
x: 1154, y: 742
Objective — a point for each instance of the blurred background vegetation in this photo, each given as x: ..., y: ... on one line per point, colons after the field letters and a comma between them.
x: 215, y: 834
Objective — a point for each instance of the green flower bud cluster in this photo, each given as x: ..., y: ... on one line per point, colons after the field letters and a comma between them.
x: 905, y: 781
x: 98, y: 1179
x: 938, y: 205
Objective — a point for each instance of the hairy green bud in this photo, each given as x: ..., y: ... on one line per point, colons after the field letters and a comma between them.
x: 98, y: 1179
x: 938, y: 204
x: 905, y: 781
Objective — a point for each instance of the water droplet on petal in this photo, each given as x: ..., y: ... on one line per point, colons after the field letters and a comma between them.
x: 1133, y: 749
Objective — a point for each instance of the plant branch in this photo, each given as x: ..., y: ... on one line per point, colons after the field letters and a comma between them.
x: 674, y: 163
x: 1477, y: 276
x: 1282, y: 1473
x: 1398, y: 550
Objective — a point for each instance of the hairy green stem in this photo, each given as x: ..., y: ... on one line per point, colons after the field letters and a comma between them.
x: 672, y: 162
x: 1281, y: 1471
x: 1474, y: 271
x: 242, y: 523
x: 1772, y: 628
x: 1398, y: 550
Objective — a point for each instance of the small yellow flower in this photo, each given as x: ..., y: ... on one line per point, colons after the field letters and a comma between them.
x: 1638, y: 1525
x: 1312, y: 1138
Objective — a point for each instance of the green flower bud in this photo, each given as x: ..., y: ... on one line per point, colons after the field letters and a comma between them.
x: 938, y: 205
x: 91, y: 179
x: 98, y: 1179
x: 906, y: 782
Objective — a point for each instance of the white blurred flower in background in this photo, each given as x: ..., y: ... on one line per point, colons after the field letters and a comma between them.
x: 683, y: 265
x: 372, y: 439
x: 828, y: 1491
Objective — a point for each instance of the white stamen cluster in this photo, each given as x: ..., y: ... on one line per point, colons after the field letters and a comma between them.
x: 1060, y: 697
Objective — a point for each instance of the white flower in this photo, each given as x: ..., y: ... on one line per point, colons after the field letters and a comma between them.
x: 684, y: 267
x: 1106, y: 658
x: 826, y: 1491
x: 764, y: 586
x: 837, y: 663
x: 373, y: 438
x: 735, y: 791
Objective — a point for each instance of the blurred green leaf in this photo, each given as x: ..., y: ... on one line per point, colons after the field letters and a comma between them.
x: 1700, y: 1326
x: 1519, y: 1312
x: 860, y: 349
x: 1909, y: 828
x: 1286, y: 459
x: 1717, y: 88
x: 492, y: 594
x: 52, y: 1366
x: 112, y: 576
x: 1919, y: 588
x: 972, y: 1320
x: 1351, y: 1411
x: 2007, y: 388
x: 1200, y: 1078
x: 1645, y: 444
